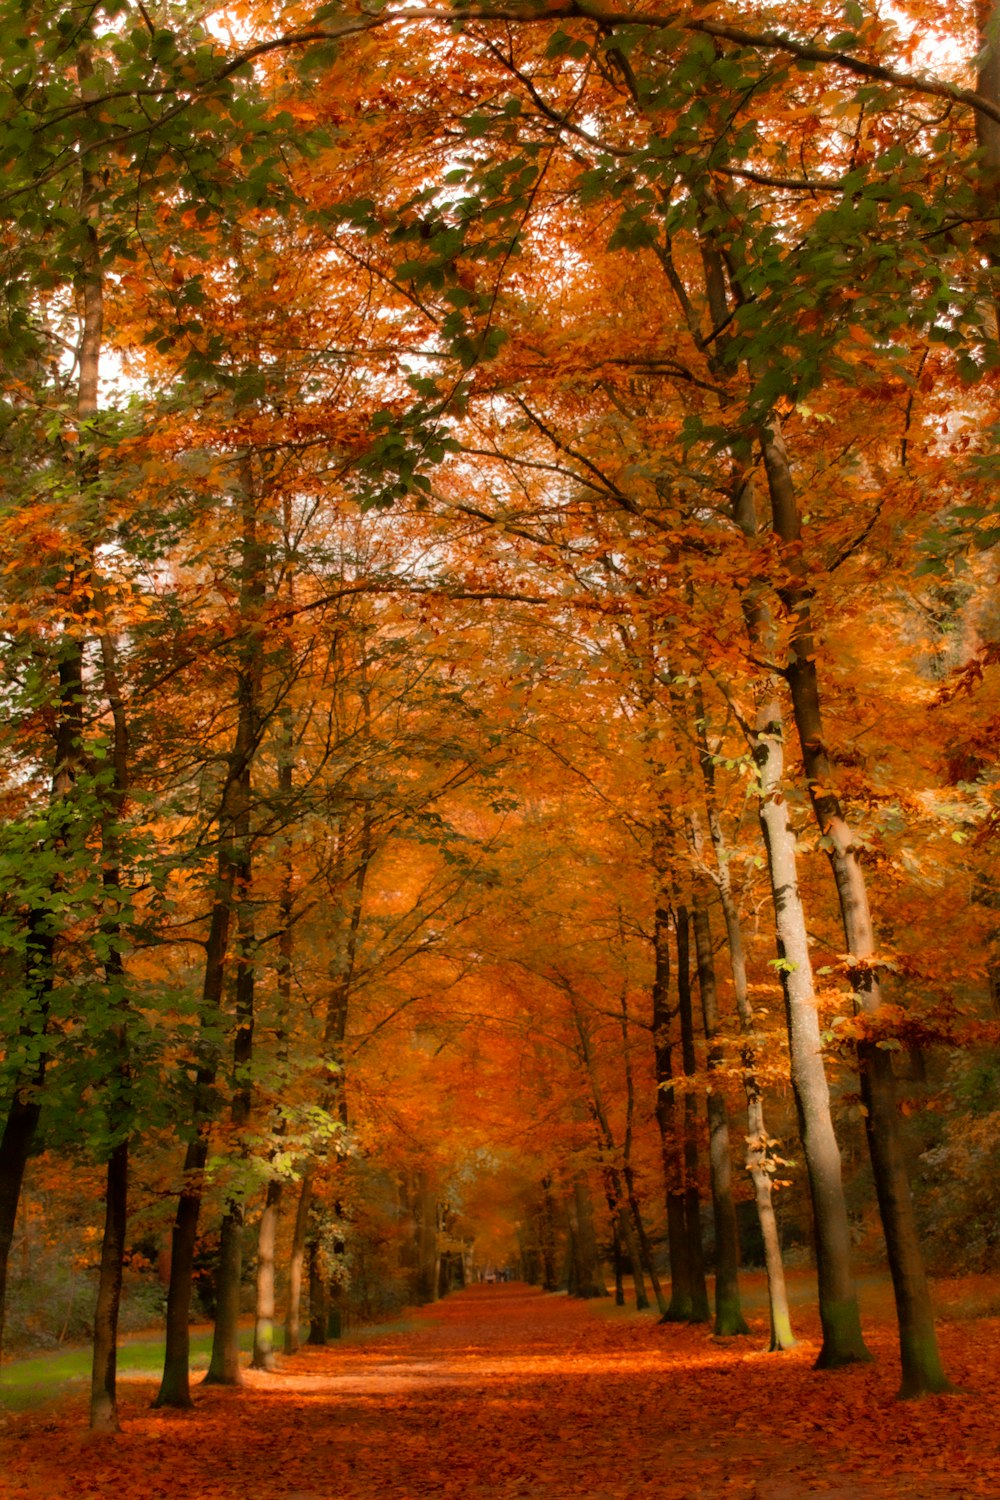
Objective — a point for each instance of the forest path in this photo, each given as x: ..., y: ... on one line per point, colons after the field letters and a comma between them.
x: 505, y: 1392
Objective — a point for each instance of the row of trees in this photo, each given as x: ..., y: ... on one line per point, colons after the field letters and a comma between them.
x: 496, y: 501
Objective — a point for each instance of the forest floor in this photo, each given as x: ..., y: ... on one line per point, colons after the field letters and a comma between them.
x: 505, y: 1392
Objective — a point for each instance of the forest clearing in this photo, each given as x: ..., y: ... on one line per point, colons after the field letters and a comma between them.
x: 500, y: 745
x: 506, y: 1391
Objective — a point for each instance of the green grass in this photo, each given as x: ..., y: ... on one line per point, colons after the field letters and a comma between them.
x: 26, y: 1383
x: 45, y: 1377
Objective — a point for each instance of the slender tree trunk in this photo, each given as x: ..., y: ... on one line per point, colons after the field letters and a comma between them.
x: 224, y: 1365
x: 843, y: 1343
x: 645, y: 1248
x: 588, y: 1276
x: 627, y: 1233
x: 759, y: 1145
x: 628, y: 1173
x: 692, y: 1192
x: 334, y: 1031
x: 267, y: 1233
x: 729, y: 1317
x: 551, y: 1282
x: 104, y: 1398
x: 427, y: 1282
x: 618, y: 1262
x: 758, y: 1156
x: 317, y: 1296
x: 175, y: 1387
x: 103, y: 1391
x: 922, y: 1369
x: 625, y: 1245
x: 296, y: 1264
x: 620, y: 1215
x: 681, y: 1305
x: 20, y: 1126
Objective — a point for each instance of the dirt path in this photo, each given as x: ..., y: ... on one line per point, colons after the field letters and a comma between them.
x: 505, y: 1392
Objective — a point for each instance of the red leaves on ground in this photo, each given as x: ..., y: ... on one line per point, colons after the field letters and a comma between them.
x: 505, y: 1392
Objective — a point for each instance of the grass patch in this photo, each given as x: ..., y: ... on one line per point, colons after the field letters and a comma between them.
x: 31, y: 1382
x: 25, y: 1383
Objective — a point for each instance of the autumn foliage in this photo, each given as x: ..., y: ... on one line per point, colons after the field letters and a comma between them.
x: 500, y: 667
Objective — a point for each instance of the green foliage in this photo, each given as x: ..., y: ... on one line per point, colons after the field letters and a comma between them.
x: 958, y: 1184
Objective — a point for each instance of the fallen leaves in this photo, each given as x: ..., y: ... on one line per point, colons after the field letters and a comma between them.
x: 508, y: 1393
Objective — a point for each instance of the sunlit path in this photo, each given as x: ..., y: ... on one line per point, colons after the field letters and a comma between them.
x: 504, y: 1391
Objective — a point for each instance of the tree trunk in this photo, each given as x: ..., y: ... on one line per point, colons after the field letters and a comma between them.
x: 118, y: 1108
x: 729, y: 1317
x: 588, y: 1276
x: 681, y: 1306
x: 922, y: 1369
x: 624, y: 1232
x: 317, y: 1296
x: 618, y: 1263
x: 103, y: 1390
x: 263, y: 1329
x: 296, y: 1265
x: 15, y: 1148
x: 224, y: 1365
x: 267, y: 1233
x: 692, y: 1192
x: 175, y: 1388
x: 645, y: 1248
x: 427, y: 1285
x: 551, y: 1282
x: 758, y: 1155
x: 635, y: 1209
x: 843, y: 1343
